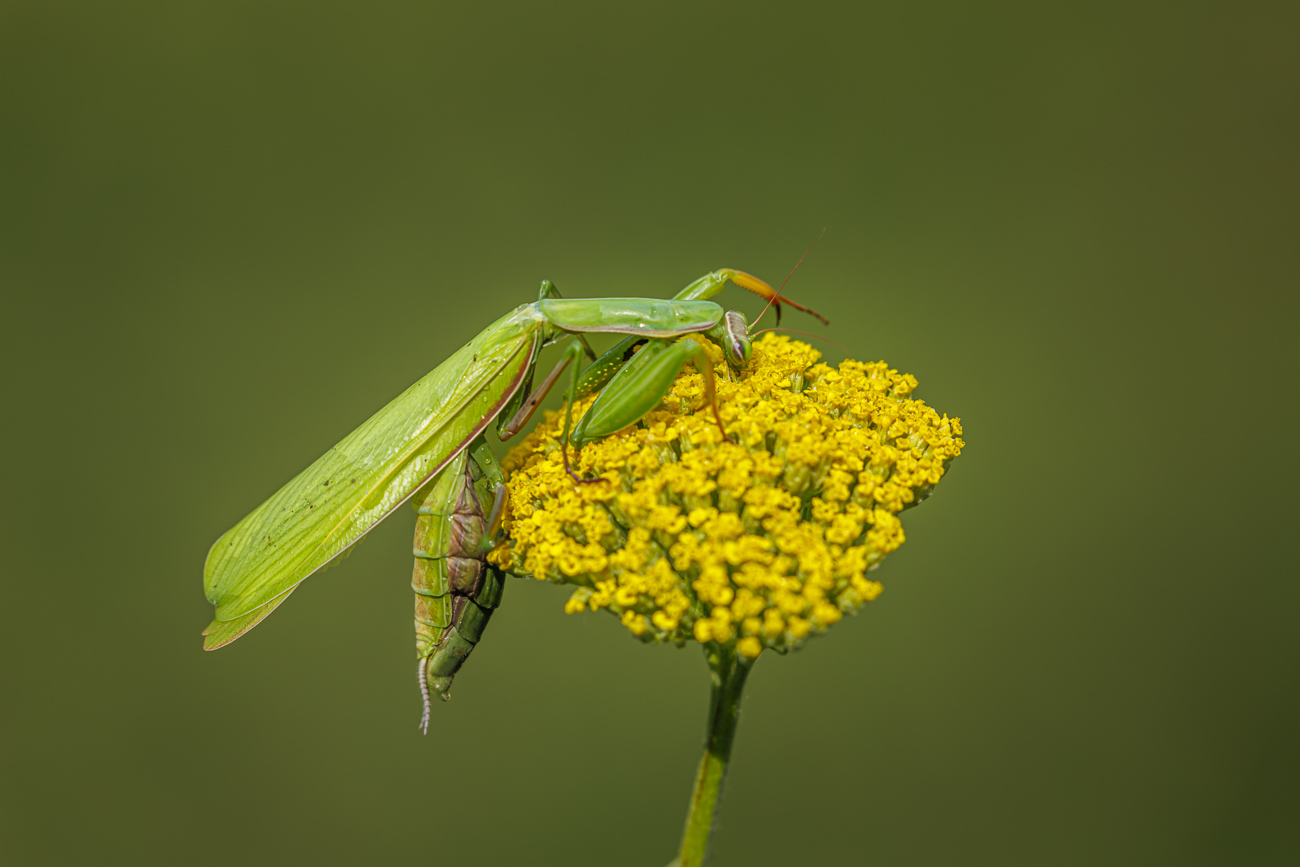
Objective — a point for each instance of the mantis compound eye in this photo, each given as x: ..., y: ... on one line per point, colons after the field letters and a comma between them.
x: 737, y: 345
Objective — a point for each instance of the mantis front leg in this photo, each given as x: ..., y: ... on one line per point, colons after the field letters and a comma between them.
x: 633, y: 392
x: 639, y: 386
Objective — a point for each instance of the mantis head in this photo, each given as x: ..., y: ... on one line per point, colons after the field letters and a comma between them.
x: 732, y: 334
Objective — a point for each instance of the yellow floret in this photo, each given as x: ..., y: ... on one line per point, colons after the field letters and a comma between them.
x: 753, y: 543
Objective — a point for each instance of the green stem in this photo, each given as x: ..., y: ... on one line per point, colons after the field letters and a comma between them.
x: 728, y: 673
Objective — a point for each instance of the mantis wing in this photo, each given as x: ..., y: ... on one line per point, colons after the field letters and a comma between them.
x: 326, y: 508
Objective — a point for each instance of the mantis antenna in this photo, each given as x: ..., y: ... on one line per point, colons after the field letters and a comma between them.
x: 777, y: 295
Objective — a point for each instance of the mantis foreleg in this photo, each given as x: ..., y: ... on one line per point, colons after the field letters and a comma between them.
x: 639, y: 386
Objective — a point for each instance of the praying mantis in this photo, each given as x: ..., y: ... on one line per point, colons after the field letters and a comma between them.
x: 429, y: 443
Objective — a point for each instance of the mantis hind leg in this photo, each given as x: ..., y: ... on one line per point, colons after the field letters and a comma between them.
x: 528, y: 406
x: 509, y: 427
x: 574, y: 378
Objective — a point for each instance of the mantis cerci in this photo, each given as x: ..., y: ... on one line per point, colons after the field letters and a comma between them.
x: 430, y: 440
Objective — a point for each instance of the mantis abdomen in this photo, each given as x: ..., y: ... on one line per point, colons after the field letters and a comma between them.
x: 456, y: 590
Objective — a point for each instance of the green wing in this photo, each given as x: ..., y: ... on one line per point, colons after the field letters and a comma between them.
x: 326, y: 508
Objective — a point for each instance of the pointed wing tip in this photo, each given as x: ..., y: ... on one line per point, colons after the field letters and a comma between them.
x: 213, y: 639
x: 221, y: 632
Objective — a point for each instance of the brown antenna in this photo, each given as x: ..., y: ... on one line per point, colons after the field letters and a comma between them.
x: 779, y: 299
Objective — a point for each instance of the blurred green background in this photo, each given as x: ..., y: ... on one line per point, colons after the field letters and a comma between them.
x: 230, y: 231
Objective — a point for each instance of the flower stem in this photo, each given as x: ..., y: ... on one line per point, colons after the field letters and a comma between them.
x: 728, y: 673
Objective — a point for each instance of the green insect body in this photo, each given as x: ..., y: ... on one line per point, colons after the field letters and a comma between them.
x: 456, y: 590
x: 314, y: 519
x: 419, y: 442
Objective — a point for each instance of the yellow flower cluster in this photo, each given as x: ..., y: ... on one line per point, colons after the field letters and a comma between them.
x: 756, y: 543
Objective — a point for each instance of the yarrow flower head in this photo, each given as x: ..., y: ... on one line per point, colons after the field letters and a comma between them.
x: 752, y: 544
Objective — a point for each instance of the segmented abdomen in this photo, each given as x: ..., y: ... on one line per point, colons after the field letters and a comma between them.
x: 456, y: 590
